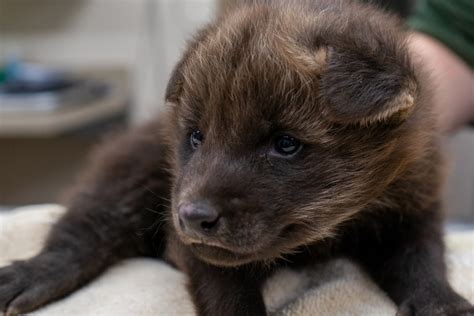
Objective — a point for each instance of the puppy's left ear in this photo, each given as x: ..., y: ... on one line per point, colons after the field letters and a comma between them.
x: 359, y: 87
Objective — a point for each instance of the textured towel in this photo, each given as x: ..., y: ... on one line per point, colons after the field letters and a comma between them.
x: 151, y: 287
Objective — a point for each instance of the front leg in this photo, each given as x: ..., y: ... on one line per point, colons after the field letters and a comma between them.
x: 220, y: 291
x: 109, y: 218
x: 405, y: 255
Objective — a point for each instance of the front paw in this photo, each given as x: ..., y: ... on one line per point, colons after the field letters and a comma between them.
x: 13, y: 283
x: 435, y: 307
x: 27, y: 285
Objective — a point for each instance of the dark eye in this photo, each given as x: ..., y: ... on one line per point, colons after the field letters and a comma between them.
x: 196, y: 138
x: 286, y: 145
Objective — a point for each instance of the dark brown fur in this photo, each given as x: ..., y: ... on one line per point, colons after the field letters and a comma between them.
x: 337, y: 76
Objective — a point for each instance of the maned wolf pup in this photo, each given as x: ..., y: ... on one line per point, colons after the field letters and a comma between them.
x: 297, y: 131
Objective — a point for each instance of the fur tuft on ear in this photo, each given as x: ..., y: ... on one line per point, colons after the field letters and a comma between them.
x: 362, y: 88
x: 226, y: 6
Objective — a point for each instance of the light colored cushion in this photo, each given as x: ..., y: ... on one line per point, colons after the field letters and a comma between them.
x: 151, y: 287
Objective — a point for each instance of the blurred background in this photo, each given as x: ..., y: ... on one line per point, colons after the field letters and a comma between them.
x: 74, y: 70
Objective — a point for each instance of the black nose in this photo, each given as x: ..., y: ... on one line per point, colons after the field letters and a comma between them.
x: 198, y: 217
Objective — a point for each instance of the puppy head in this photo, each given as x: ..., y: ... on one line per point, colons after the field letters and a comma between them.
x: 287, y: 120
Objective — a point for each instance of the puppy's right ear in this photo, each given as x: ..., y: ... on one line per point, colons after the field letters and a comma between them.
x: 174, y: 87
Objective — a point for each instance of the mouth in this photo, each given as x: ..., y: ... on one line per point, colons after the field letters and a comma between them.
x: 220, y: 256
x: 215, y: 252
x: 218, y: 252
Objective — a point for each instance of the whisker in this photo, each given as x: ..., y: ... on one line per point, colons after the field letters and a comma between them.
x: 150, y: 190
x: 152, y: 210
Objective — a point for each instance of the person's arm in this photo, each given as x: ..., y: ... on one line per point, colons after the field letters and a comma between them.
x: 443, y: 42
x: 453, y: 80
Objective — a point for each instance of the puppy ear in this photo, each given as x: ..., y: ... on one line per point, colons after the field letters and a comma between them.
x: 174, y: 88
x: 175, y: 83
x: 365, y: 88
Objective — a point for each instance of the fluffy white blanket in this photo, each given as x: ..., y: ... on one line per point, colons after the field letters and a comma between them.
x: 150, y: 287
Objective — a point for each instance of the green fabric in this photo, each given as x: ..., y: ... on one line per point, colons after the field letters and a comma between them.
x: 449, y: 21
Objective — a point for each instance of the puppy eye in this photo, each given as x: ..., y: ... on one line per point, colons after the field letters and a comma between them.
x: 286, y: 145
x: 196, y: 138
